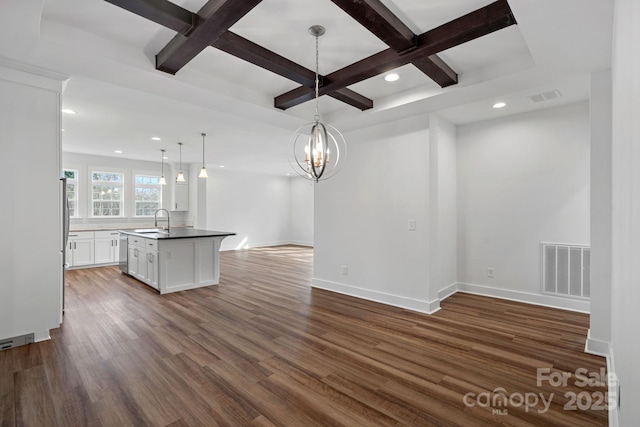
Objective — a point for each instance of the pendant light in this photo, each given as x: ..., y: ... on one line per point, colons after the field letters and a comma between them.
x: 162, y: 180
x: 318, y: 150
x: 180, y: 177
x: 203, y: 171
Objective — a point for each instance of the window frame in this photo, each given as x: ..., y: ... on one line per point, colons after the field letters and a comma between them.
x: 76, y: 183
x: 120, y: 185
x: 134, y: 185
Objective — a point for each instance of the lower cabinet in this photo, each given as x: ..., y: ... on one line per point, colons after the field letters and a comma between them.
x: 93, y: 248
x: 152, y: 269
x: 143, y: 260
x: 80, y: 249
x: 107, y: 249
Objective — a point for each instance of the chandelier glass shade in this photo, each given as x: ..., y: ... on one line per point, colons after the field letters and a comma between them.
x: 317, y: 150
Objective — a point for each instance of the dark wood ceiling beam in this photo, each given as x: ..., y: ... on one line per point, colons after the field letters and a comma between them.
x: 349, y: 97
x: 434, y: 67
x: 476, y: 24
x: 162, y: 12
x: 377, y: 18
x: 217, y: 16
x: 242, y: 48
x: 182, y: 21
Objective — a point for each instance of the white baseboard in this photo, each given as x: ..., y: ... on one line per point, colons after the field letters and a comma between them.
x: 447, y: 291
x: 597, y: 347
x: 613, y: 389
x: 41, y: 336
x: 536, y: 299
x: 422, y: 306
x: 230, y: 247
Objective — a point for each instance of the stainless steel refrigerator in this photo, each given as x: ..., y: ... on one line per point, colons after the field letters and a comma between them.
x: 65, y: 232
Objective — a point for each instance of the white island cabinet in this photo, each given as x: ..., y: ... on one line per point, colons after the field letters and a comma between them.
x: 177, y: 260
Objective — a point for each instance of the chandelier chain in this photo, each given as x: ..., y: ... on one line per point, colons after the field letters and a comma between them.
x: 317, y: 116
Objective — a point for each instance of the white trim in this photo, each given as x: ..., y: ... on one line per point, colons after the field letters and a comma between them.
x: 596, y: 347
x: 29, y: 75
x: 300, y: 243
x: 526, y: 297
x: 447, y: 291
x: 234, y: 247
x: 41, y: 336
x: 422, y: 306
x: 613, y: 413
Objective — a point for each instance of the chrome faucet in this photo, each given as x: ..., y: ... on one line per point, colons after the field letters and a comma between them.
x: 155, y: 218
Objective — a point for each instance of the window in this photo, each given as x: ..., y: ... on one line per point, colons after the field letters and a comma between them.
x: 106, y: 194
x: 72, y: 191
x: 147, y: 194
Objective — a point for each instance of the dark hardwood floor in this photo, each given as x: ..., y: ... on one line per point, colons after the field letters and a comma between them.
x: 264, y: 349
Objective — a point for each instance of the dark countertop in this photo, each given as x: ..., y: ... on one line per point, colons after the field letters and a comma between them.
x: 177, y: 233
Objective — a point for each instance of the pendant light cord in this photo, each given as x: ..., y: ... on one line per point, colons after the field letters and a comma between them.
x: 203, y: 135
x: 317, y: 116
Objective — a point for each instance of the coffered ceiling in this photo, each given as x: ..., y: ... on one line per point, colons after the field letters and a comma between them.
x: 122, y: 100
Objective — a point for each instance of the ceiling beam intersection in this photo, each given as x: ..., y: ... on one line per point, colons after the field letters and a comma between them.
x: 384, y: 24
x: 486, y: 20
x: 216, y: 17
x: 183, y: 22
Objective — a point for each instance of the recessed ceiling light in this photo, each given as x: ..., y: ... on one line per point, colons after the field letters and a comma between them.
x: 391, y: 77
x: 499, y: 105
x: 156, y: 138
x: 67, y: 111
x: 118, y: 151
x: 221, y: 166
x: 61, y: 130
x: 165, y: 157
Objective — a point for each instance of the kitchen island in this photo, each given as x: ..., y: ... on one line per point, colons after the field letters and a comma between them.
x: 175, y: 260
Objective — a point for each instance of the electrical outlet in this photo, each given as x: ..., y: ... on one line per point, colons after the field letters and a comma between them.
x: 412, y: 225
x: 345, y: 270
x: 490, y: 272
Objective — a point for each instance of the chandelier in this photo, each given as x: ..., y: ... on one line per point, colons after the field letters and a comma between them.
x: 318, y: 150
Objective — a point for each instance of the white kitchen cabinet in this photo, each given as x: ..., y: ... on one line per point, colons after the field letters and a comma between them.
x: 152, y: 269
x: 132, y: 261
x: 80, y: 249
x: 181, y: 194
x: 143, y: 260
x: 107, y: 249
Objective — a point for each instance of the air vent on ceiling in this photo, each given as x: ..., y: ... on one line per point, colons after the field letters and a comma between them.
x: 546, y: 96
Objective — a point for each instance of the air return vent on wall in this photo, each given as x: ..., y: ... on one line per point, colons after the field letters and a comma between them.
x: 566, y: 269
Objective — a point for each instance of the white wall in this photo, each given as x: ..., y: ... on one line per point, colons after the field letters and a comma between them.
x: 301, y: 214
x: 443, y: 250
x: 255, y: 206
x: 31, y: 215
x: 625, y: 292
x: 362, y: 214
x: 601, y: 213
x: 522, y: 180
